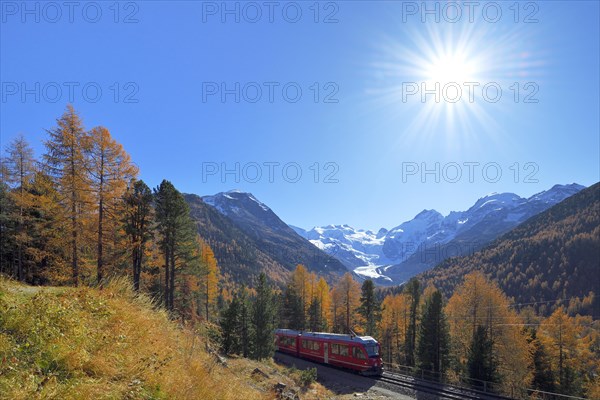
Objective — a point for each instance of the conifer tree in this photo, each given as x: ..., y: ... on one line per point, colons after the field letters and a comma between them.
x: 7, y: 229
x: 209, y: 279
x: 559, y: 336
x: 66, y: 162
x: 177, y: 234
x: 412, y: 289
x: 301, y: 283
x: 110, y: 170
x: 543, y: 378
x: 46, y: 251
x: 370, y: 308
x: 229, y: 324
x: 138, y: 218
x: 291, y: 310
x: 263, y: 318
x: 478, y: 302
x: 315, y: 322
x: 481, y: 363
x: 244, y: 322
x: 346, y: 301
x: 19, y: 168
x: 323, y: 296
x: 434, y: 338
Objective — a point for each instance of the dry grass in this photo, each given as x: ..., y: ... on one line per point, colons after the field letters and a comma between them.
x: 277, y: 373
x: 87, y: 343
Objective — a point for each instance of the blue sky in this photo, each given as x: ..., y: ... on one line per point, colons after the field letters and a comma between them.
x: 355, y: 122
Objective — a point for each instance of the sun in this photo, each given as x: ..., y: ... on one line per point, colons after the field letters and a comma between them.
x: 450, y: 68
x: 436, y: 83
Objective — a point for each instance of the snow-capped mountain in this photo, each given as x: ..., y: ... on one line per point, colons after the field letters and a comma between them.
x: 353, y: 247
x: 416, y: 245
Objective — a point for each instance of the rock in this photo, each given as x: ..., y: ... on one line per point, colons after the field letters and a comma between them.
x: 279, y: 386
x: 259, y: 372
x: 221, y: 360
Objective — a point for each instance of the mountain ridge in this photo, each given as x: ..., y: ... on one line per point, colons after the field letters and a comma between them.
x: 406, y: 247
x: 553, y: 255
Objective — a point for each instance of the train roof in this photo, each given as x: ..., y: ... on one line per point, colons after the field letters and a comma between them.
x: 324, y: 335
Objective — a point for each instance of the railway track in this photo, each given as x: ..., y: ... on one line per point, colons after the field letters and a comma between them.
x: 439, y: 390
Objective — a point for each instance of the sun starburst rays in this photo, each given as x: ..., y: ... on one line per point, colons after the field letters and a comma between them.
x: 455, y: 62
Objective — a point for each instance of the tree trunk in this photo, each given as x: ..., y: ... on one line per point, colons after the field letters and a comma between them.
x: 74, y: 243
x: 74, y: 220
x: 136, y: 274
x: 100, y: 274
x: 172, y: 283
x: 167, y: 261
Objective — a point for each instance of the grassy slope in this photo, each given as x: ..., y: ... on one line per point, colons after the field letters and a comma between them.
x: 86, y: 343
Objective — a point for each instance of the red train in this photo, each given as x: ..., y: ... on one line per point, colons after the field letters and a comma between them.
x: 358, y: 353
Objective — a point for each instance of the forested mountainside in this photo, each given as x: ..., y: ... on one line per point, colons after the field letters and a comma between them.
x: 245, y: 249
x: 551, y: 259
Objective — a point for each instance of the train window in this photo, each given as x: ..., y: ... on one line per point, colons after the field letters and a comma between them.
x: 343, y: 350
x: 358, y: 353
x: 372, y: 349
x: 335, y: 348
x: 304, y: 344
x: 316, y: 346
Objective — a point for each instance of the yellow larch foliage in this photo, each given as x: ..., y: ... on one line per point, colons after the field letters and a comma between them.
x: 478, y: 302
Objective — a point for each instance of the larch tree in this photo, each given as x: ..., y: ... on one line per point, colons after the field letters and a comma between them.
x: 478, y: 302
x: 559, y: 335
x: 413, y: 290
x: 110, y: 170
x: 301, y: 283
x: 138, y: 220
x: 209, y: 279
x: 46, y: 250
x: 347, y: 294
x: 65, y: 160
x: 7, y: 224
x: 19, y: 168
x: 323, y: 296
x: 394, y: 326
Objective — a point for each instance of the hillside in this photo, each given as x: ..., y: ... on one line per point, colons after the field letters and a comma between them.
x: 83, y: 343
x: 549, y: 259
x: 247, y: 238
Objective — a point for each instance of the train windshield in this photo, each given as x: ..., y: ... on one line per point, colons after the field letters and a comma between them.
x: 372, y: 350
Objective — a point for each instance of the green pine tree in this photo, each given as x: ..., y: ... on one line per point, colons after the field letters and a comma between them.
x: 370, y: 308
x: 138, y: 225
x: 243, y: 325
x: 434, y: 337
x: 413, y: 289
x: 481, y: 363
x: 229, y: 323
x: 262, y: 319
x: 292, y: 316
x: 176, y: 229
